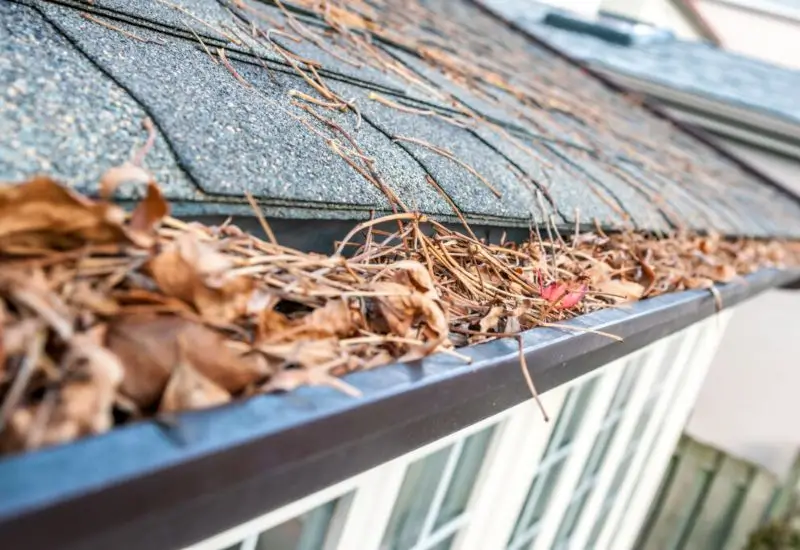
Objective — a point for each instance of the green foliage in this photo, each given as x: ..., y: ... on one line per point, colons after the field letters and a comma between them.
x: 776, y: 535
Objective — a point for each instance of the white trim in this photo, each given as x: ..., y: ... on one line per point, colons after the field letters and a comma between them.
x: 502, y: 491
x: 774, y: 9
x: 371, y: 508
x: 581, y: 447
x: 773, y: 123
x: 619, y: 445
x: 671, y: 430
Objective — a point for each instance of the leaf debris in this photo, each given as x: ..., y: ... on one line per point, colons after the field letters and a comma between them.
x: 108, y: 317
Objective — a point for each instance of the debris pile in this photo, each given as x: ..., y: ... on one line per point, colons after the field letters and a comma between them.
x: 108, y: 317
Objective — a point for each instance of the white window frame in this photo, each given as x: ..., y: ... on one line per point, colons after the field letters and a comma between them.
x: 512, y: 460
x: 708, y: 335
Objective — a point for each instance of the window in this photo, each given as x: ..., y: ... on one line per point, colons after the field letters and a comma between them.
x: 433, y: 498
x: 642, y: 423
x: 551, y: 465
x: 313, y: 530
x: 597, y: 456
x: 672, y: 351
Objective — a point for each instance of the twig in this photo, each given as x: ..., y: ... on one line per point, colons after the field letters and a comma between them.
x: 528, y: 380
x: 447, y: 154
x: 261, y: 219
x: 93, y: 19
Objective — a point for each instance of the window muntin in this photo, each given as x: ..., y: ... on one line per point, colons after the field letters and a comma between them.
x: 597, y: 456
x: 432, y: 503
x: 551, y: 465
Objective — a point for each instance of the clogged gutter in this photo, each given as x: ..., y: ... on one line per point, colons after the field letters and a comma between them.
x: 110, y: 317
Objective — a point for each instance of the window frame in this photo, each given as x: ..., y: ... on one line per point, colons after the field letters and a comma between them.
x: 519, y: 442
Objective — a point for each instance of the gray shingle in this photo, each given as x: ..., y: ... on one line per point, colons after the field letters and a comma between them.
x: 58, y: 112
x: 692, y: 67
x: 228, y: 137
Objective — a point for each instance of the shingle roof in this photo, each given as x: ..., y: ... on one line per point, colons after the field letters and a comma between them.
x: 76, y: 88
x: 692, y: 67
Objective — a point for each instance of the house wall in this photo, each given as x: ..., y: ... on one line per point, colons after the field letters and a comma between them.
x: 513, y: 481
x: 748, y: 404
x: 764, y: 35
x: 659, y: 12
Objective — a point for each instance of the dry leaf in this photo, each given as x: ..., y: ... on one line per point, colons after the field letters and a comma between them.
x: 490, y: 321
x: 563, y: 295
x: 306, y: 353
x: 695, y: 283
x: 405, y: 310
x: 197, y: 274
x: 16, y: 336
x: 724, y: 273
x: 125, y: 173
x: 42, y: 215
x: 623, y: 290
x: 83, y: 296
x: 333, y: 319
x: 188, y: 389
x: 413, y: 275
x: 82, y: 406
x: 290, y: 379
x: 149, y: 212
x: 147, y: 345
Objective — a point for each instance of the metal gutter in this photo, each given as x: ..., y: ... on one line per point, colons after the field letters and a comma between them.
x: 169, y: 483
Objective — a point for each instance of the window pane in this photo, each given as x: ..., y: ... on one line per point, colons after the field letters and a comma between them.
x: 416, y: 494
x: 305, y: 532
x: 466, y: 472
x: 538, y: 499
x: 446, y: 544
x: 582, y: 399
x: 546, y: 480
x: 570, y: 521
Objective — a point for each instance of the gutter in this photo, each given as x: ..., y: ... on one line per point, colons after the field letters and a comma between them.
x: 168, y: 483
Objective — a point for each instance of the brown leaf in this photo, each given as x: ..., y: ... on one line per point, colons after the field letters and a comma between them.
x: 414, y: 275
x: 333, y: 319
x: 724, y: 273
x: 694, y: 283
x: 82, y: 406
x: 83, y: 295
x: 148, y: 348
x: 305, y: 353
x: 490, y: 321
x: 290, y: 379
x: 401, y: 313
x: 197, y: 274
x: 188, y: 389
x: 622, y: 290
x: 17, y: 335
x: 42, y: 215
x: 126, y: 172
x: 149, y: 212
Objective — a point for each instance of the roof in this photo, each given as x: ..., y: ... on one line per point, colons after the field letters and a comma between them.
x: 690, y: 66
x: 79, y: 77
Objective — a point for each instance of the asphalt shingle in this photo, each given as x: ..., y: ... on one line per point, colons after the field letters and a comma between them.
x: 223, y: 131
